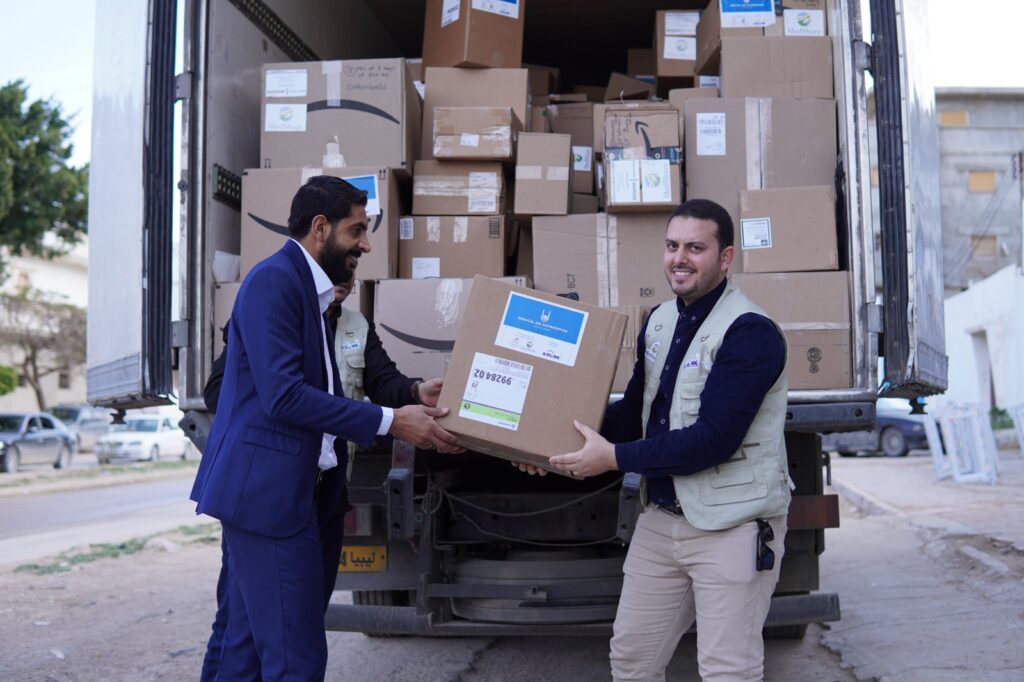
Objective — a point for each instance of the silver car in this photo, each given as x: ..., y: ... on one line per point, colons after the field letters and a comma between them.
x: 34, y: 438
x: 86, y: 423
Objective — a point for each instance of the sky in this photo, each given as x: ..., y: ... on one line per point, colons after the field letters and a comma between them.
x: 49, y: 44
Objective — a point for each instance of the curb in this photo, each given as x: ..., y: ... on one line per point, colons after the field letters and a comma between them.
x: 94, y: 482
x: 864, y: 501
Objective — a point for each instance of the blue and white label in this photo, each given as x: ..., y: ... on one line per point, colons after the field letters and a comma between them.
x: 542, y: 329
x: 505, y: 8
x: 367, y: 183
x: 691, y: 364
x: 747, y: 13
x: 496, y: 391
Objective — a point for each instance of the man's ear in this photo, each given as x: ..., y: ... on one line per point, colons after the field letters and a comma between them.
x: 728, y: 253
x: 319, y: 227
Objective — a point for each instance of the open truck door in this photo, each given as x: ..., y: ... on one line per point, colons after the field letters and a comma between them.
x: 129, y: 322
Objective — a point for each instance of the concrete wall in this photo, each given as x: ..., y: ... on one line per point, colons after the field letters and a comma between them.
x: 985, y: 342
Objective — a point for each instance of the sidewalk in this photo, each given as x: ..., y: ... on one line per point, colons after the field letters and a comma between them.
x: 907, y: 488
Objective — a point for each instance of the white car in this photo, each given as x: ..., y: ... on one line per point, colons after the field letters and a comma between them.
x: 145, y: 437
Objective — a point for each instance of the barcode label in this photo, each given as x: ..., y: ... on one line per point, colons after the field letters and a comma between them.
x: 494, y: 228
x: 512, y: 364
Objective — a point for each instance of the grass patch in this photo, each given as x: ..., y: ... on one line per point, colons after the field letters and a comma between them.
x: 103, y: 550
x: 102, y: 471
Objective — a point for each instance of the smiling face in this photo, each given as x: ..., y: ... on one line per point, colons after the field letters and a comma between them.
x: 341, y: 244
x: 694, y: 263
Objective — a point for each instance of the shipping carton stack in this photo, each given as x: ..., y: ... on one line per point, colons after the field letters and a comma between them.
x: 675, y: 49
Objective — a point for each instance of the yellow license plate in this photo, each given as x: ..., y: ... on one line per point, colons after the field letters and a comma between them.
x: 365, y: 558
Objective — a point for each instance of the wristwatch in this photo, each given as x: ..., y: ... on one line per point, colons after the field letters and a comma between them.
x: 415, y: 391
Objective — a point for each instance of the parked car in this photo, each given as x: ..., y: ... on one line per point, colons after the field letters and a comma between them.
x: 86, y: 422
x: 145, y: 437
x: 34, y: 438
x: 896, y: 433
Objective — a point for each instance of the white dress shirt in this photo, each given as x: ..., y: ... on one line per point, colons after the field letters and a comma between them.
x: 325, y: 296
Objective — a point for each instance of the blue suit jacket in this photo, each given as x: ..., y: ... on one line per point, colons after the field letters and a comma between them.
x: 259, y: 467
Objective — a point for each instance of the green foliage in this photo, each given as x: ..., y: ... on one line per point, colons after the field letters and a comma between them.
x: 39, y: 191
x: 8, y: 379
x: 1000, y: 418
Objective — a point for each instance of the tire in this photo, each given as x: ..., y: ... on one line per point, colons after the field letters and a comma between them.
x: 380, y: 598
x: 786, y: 632
x: 63, y: 460
x: 154, y: 454
x: 11, y: 460
x: 847, y: 453
x: 102, y: 460
x: 893, y: 442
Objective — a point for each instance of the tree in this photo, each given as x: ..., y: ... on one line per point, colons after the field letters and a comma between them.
x: 40, y: 192
x: 8, y: 379
x: 49, y: 332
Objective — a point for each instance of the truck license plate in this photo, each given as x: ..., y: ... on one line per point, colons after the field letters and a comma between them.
x: 363, y: 558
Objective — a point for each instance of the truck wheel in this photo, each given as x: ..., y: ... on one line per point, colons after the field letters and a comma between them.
x: 11, y: 460
x: 785, y: 632
x: 893, y: 443
x: 380, y: 598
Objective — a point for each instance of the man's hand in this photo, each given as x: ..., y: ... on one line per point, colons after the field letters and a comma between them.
x: 530, y: 469
x: 427, y: 392
x: 415, y: 424
x: 595, y: 457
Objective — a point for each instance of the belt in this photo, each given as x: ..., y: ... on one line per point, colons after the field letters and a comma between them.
x: 674, y: 509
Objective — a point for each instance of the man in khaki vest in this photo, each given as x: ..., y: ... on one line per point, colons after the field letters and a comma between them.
x: 702, y: 419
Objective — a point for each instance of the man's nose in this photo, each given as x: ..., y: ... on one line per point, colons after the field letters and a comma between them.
x: 364, y: 244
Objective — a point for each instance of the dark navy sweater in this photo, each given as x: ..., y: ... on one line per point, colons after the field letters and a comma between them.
x: 748, y: 363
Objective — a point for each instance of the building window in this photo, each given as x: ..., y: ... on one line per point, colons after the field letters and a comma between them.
x: 953, y: 119
x: 981, y: 181
x: 21, y: 380
x: 984, y: 246
x: 64, y: 379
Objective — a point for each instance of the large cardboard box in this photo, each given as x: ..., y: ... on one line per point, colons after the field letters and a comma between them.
x: 266, y: 202
x: 577, y: 121
x: 788, y: 230
x: 675, y: 42
x: 543, y: 185
x: 593, y: 93
x: 583, y: 203
x: 458, y: 188
x: 795, y: 147
x: 543, y: 79
x: 487, y: 33
x: 622, y: 87
x: 471, y: 133
x: 599, y: 113
x: 714, y: 25
x: 451, y: 246
x: 813, y: 310
x: 360, y: 112
x: 602, y: 259
x: 677, y: 98
x: 641, y: 157
x: 636, y: 315
x: 417, y: 320
x: 519, y: 356
x: 776, y: 67
x: 472, y: 88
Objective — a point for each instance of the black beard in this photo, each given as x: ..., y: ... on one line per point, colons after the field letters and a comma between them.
x: 334, y: 261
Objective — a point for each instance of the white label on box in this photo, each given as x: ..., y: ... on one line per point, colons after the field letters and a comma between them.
x: 505, y: 8
x: 680, y: 47
x: 496, y: 391
x: 405, y: 228
x: 483, y: 180
x: 747, y: 13
x: 284, y: 118
x: 709, y: 82
x: 482, y: 201
x: 469, y: 140
x: 542, y: 329
x: 711, y: 134
x: 449, y: 12
x: 656, y: 178
x: 756, y: 233
x: 285, y: 83
x: 681, y: 23
x: 433, y: 229
x: 624, y: 182
x: 426, y: 268
x: 804, y: 22
x: 557, y: 173
x: 460, y: 229
x: 582, y: 159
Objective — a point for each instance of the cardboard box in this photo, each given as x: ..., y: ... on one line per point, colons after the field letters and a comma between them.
x: 519, y: 355
x: 622, y: 87
x: 417, y: 320
x: 266, y: 202
x: 341, y: 113
x: 677, y: 98
x: 635, y: 318
x: 224, y: 295
x: 593, y: 93
x: 776, y: 67
x: 813, y: 310
x: 640, y: 61
x: 458, y: 188
x: 543, y: 79
x: 583, y: 203
x: 602, y: 259
x: 641, y: 158
x: 713, y: 27
x: 577, y: 121
x: 471, y: 133
x: 472, y: 88
x: 482, y: 33
x: 788, y: 230
x: 543, y: 185
x: 796, y: 148
x: 675, y: 43
x: 599, y: 113
x: 451, y: 246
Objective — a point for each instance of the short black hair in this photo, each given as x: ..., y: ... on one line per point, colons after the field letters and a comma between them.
x: 325, y: 195
x: 705, y: 209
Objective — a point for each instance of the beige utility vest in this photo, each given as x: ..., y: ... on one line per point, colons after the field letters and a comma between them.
x: 753, y: 483
x: 350, y: 352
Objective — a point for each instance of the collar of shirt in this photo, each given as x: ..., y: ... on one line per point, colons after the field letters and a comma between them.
x: 324, y: 285
x: 700, y: 308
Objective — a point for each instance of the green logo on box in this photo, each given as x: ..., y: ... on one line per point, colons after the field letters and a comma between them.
x: 285, y: 114
x: 803, y: 19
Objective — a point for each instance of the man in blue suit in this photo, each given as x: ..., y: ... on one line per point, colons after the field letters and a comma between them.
x: 279, y: 412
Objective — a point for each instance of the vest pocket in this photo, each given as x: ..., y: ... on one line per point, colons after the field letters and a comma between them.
x: 735, y: 481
